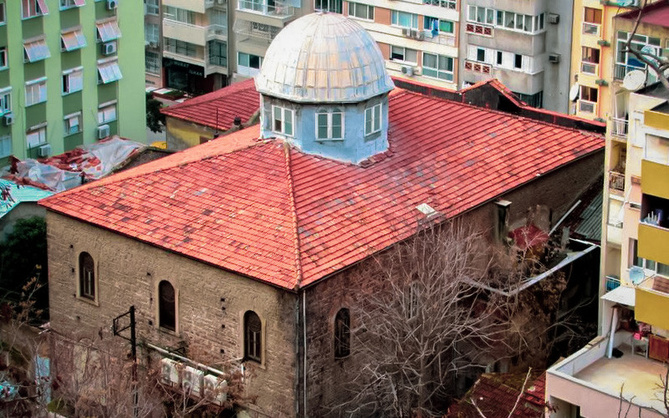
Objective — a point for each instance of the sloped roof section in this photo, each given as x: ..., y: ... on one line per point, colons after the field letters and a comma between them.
x: 237, y: 100
x: 268, y: 211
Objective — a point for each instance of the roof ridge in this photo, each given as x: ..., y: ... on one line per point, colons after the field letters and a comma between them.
x: 508, y: 115
x: 293, y: 210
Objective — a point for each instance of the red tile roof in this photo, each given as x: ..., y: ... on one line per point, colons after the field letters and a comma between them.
x: 496, y: 394
x: 269, y: 211
x: 239, y: 99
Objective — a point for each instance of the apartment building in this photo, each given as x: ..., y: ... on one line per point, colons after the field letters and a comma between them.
x: 526, y: 45
x: 633, y: 346
x: 599, y: 63
x: 186, y: 44
x: 68, y: 74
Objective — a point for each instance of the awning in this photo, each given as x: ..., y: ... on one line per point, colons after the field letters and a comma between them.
x: 73, y: 40
x: 623, y: 295
x: 43, y: 7
x: 108, y: 30
x: 109, y: 72
x: 80, y: 3
x: 36, y: 50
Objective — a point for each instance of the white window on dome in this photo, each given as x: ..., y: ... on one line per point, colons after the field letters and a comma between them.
x: 36, y: 137
x: 282, y: 120
x: 330, y: 125
x: 73, y: 80
x: 373, y: 119
x: 36, y: 91
x: 106, y: 113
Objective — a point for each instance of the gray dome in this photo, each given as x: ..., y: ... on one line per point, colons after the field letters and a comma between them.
x: 323, y: 58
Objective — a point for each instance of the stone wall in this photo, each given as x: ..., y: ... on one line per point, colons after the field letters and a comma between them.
x: 128, y: 273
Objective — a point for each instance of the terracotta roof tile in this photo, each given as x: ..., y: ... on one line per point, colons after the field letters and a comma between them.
x: 268, y: 211
x: 239, y: 99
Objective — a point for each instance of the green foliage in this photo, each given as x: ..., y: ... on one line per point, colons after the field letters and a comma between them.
x: 154, y: 119
x: 23, y: 256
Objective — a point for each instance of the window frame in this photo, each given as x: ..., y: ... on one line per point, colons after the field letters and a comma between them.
x: 6, y: 142
x: 67, y: 120
x: 281, y: 128
x: 5, y: 101
x: 329, y: 124
x: 373, y: 114
x: 4, y: 58
x: 428, y: 25
x: 395, y: 19
x: 41, y: 96
x: 150, y: 5
x: 36, y: 8
x: 40, y: 130
x: 154, y: 59
x: 342, y: 333
x: 168, y: 318
x: 253, y: 337
x: 104, y: 110
x: 3, y: 13
x: 404, y: 52
x: 355, y: 9
x: 87, y: 288
x: 437, y: 70
x: 69, y: 4
x: 67, y: 78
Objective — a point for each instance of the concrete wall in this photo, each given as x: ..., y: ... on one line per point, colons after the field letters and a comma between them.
x: 181, y: 134
x: 128, y: 273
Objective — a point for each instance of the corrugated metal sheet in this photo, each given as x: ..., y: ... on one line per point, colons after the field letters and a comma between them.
x: 591, y: 220
x: 324, y: 58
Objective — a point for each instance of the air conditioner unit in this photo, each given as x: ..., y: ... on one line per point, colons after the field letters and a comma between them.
x: 214, y: 389
x: 103, y: 131
x: 406, y: 31
x: 8, y: 119
x: 112, y: 4
x: 553, y: 18
x: 109, y: 48
x: 44, y: 150
x: 554, y: 58
x: 407, y: 70
x: 191, y: 381
x: 169, y: 372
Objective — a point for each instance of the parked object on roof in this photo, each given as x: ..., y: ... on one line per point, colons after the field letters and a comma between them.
x: 64, y: 171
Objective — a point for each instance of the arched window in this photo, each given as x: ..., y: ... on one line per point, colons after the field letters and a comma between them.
x: 252, y: 336
x: 86, y: 276
x: 167, y: 305
x: 342, y: 333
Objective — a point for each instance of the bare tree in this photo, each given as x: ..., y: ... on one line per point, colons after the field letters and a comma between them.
x: 655, y: 61
x: 441, y: 311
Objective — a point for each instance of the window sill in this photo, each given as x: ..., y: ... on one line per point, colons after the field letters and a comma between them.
x: 4, y: 68
x: 65, y: 135
x: 254, y: 363
x: 329, y: 139
x: 93, y: 302
x: 34, y: 104
x: 32, y: 17
x: 69, y: 92
x: 168, y: 331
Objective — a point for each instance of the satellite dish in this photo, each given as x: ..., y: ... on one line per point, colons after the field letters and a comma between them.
x: 574, y: 91
x: 634, y: 80
x: 637, y: 275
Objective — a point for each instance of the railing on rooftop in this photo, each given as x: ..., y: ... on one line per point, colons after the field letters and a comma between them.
x: 266, y: 7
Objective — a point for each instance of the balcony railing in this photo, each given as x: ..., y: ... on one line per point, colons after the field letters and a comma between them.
x: 269, y: 8
x: 479, y: 29
x: 478, y: 67
x: 619, y: 127
x: 617, y: 181
x: 591, y: 28
x: 441, y: 38
x: 255, y: 30
x: 612, y: 282
x: 589, y: 68
x: 586, y: 106
x: 217, y: 30
x: 621, y: 70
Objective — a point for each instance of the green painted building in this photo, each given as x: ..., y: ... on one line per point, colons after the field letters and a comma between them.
x: 71, y: 73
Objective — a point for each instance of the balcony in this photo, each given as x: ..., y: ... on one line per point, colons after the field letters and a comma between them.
x: 594, y: 381
x: 591, y: 28
x: 652, y: 301
x: 478, y: 67
x: 217, y: 32
x: 255, y: 34
x: 477, y: 29
x: 621, y: 70
x: 585, y: 106
x: 185, y: 32
x: 441, y: 38
x: 619, y: 128
x: 617, y: 182
x: 270, y: 8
